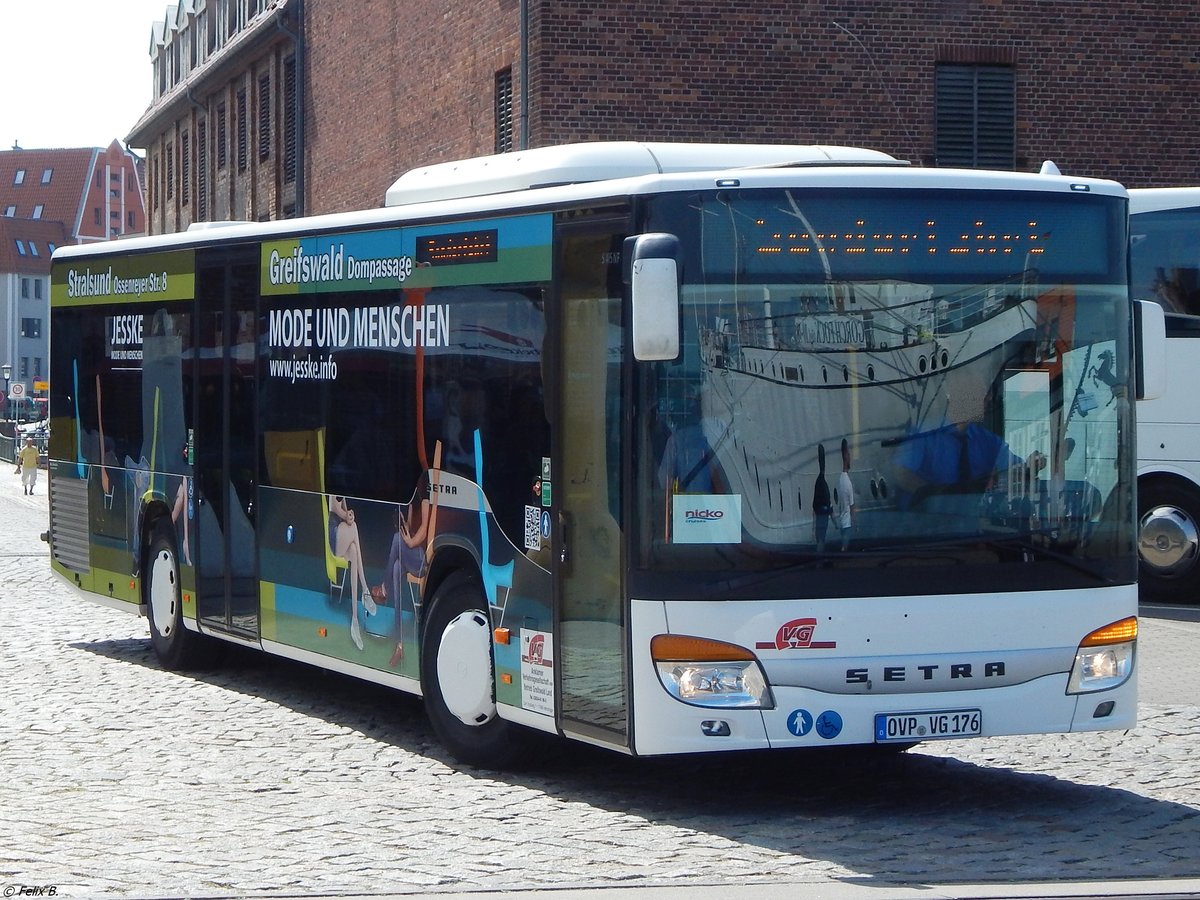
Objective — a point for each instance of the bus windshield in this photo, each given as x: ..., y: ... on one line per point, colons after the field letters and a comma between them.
x: 873, y: 380
x: 1164, y: 255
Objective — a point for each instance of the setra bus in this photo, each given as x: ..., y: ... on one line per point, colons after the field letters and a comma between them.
x: 664, y: 448
x: 1164, y: 260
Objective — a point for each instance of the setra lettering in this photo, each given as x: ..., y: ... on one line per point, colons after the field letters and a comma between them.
x: 927, y: 672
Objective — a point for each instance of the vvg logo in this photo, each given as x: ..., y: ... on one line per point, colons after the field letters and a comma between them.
x: 796, y: 635
x: 537, y: 650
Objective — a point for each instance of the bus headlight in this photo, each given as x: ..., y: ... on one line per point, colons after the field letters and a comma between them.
x: 710, y: 673
x: 1104, y: 659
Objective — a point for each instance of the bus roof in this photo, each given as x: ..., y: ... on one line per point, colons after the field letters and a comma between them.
x: 575, y: 173
x: 605, y: 161
x: 1143, y: 200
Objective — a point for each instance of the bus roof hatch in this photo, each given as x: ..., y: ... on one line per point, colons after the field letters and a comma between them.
x: 602, y: 161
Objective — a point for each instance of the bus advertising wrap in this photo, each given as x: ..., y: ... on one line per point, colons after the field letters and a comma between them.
x: 152, y: 277
x: 493, y: 251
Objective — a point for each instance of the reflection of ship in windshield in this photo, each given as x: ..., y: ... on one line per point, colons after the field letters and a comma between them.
x: 870, y: 363
x: 857, y: 327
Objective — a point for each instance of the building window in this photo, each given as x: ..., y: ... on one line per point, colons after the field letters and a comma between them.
x: 37, y: 367
x: 96, y: 214
x: 47, y: 174
x: 34, y: 251
x: 155, y: 186
x: 221, y: 136
x: 24, y: 367
x: 290, y: 118
x: 31, y: 328
x: 170, y: 171
x: 53, y: 246
x: 264, y: 116
x: 975, y: 116
x: 19, y: 177
x: 37, y: 211
x: 37, y: 285
x: 202, y: 171
x: 185, y: 168
x: 504, y: 111
x: 24, y: 286
x: 243, y: 136
x: 10, y: 211
x: 24, y: 281
x: 131, y: 224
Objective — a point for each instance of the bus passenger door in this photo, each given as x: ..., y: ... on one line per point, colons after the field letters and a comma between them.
x: 226, y: 440
x: 586, y: 480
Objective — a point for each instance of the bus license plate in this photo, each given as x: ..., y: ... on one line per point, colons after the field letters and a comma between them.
x: 925, y: 726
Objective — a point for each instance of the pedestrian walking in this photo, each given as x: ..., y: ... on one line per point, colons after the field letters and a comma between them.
x: 27, y: 465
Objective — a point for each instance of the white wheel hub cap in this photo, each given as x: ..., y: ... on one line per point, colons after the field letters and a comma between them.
x: 464, y: 668
x: 1168, y: 541
x: 164, y: 593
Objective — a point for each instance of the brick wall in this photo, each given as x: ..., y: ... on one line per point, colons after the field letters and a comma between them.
x: 1103, y: 88
x: 255, y: 192
x: 395, y: 85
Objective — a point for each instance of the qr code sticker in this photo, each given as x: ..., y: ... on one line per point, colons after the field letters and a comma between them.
x: 533, y: 528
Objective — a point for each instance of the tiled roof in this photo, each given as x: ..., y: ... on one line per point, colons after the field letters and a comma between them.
x: 70, y: 170
x: 71, y: 190
x: 36, y: 235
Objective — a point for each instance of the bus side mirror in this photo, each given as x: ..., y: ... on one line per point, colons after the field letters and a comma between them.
x: 1150, y: 334
x: 652, y: 272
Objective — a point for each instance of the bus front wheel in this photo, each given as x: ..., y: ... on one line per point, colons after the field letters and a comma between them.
x: 1169, y: 541
x: 458, y: 678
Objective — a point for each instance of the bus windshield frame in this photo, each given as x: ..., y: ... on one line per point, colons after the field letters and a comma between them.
x: 941, y: 360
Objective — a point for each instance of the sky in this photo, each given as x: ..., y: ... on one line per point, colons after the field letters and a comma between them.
x: 74, y: 73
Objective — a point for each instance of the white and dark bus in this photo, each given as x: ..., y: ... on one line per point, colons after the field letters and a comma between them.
x: 1164, y: 260
x: 665, y: 448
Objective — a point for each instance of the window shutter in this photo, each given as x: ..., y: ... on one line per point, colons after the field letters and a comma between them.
x: 975, y: 116
x: 290, y: 114
x: 504, y: 111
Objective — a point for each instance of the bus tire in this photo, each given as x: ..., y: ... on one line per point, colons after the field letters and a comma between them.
x: 176, y: 648
x: 458, y: 678
x: 1168, y: 539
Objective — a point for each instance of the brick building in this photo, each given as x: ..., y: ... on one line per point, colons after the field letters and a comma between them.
x: 221, y: 133
x: 1103, y: 88
x: 95, y: 192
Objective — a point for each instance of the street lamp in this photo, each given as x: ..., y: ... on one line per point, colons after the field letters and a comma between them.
x: 6, y: 371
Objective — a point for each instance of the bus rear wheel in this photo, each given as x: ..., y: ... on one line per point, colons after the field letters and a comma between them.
x: 458, y: 678
x: 176, y: 648
x: 1169, y: 541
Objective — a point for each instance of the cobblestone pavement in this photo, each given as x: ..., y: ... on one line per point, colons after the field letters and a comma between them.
x: 267, y: 777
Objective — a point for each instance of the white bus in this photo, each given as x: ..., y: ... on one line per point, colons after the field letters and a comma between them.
x: 1165, y: 267
x: 665, y: 448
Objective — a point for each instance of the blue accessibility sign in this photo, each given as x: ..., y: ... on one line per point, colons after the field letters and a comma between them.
x: 829, y: 724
